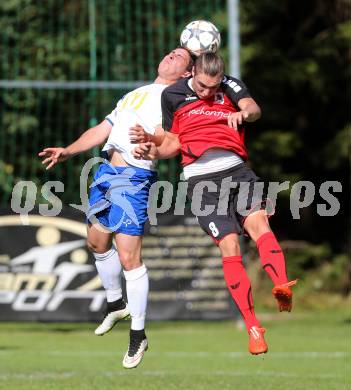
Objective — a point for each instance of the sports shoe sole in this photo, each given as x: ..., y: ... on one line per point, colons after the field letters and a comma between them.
x: 259, y: 352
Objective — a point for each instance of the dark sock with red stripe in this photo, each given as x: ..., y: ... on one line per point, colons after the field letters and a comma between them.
x: 239, y: 287
x: 272, y: 258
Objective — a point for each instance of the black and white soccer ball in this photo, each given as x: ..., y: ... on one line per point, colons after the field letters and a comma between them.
x: 200, y: 36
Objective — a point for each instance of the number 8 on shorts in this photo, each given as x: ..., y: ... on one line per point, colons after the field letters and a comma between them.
x: 213, y: 229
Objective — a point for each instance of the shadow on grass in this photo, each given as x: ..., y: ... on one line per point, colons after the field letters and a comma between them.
x: 9, y: 347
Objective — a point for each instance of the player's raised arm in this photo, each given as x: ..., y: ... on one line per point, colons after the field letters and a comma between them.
x: 89, y: 139
x: 249, y: 112
x: 251, y: 109
x: 169, y: 148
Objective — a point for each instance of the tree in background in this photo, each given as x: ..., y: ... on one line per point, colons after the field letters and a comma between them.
x: 296, y: 59
x: 54, y: 41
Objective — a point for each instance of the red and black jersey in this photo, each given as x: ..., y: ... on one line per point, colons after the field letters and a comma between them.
x: 202, y: 124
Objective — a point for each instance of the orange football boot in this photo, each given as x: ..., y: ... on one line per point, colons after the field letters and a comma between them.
x: 283, y: 294
x: 257, y: 343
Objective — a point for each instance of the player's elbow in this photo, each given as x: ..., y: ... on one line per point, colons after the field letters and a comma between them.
x: 254, y: 113
x: 258, y: 113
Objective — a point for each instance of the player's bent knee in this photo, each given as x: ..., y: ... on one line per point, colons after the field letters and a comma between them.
x: 131, y: 265
x: 96, y: 247
x: 129, y: 260
x: 230, y: 246
x: 257, y: 224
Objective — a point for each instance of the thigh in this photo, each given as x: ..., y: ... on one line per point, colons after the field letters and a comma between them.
x: 230, y: 245
x: 129, y: 250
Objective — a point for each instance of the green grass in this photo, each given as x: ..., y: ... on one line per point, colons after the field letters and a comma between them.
x: 307, y: 351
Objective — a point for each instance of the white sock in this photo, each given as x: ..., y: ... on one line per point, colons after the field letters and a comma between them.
x: 137, y: 285
x: 109, y: 269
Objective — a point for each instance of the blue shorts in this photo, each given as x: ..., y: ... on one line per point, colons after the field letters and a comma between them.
x: 119, y: 198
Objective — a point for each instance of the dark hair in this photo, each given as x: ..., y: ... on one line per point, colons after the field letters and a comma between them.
x: 210, y: 64
x: 192, y: 58
x: 190, y: 66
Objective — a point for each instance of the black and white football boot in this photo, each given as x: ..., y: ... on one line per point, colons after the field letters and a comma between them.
x: 137, y: 347
x: 115, y: 312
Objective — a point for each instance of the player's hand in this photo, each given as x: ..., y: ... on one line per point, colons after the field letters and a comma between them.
x: 52, y: 156
x: 146, y: 151
x: 138, y: 135
x: 236, y: 119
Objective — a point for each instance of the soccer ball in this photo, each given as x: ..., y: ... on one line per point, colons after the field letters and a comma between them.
x: 200, y: 37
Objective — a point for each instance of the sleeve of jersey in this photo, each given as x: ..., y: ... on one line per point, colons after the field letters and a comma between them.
x: 168, y: 118
x: 235, y: 89
x: 112, y: 117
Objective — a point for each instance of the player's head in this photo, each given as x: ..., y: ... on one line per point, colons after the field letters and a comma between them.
x: 208, y: 72
x: 176, y: 64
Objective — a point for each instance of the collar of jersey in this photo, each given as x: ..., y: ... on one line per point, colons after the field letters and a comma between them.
x: 190, y: 84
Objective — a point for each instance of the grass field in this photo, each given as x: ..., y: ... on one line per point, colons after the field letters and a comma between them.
x: 307, y: 351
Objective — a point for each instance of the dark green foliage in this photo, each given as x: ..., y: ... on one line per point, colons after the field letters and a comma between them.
x: 53, y: 41
x: 296, y: 61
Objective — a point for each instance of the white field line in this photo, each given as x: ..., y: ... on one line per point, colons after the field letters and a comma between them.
x: 166, y: 373
x: 195, y: 354
x: 286, y: 355
x: 39, y: 375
